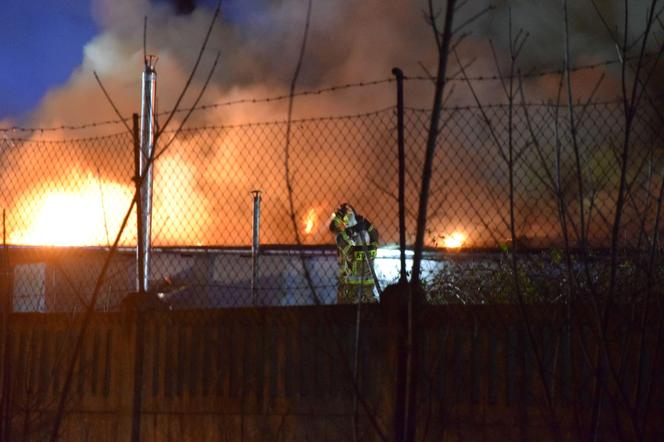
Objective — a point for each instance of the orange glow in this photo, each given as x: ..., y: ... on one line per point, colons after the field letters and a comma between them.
x: 181, y: 210
x: 89, y: 213
x: 454, y: 240
x: 310, y: 221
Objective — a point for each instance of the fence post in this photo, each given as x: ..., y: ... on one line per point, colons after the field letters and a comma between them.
x: 5, y: 282
x: 394, y: 305
x: 5, y: 307
x: 398, y: 73
x: 134, y: 314
x: 255, y: 243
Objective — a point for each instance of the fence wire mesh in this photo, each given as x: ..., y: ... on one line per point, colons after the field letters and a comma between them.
x: 65, y: 200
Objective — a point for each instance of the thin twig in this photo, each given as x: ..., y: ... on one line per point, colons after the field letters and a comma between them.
x: 145, y: 39
x: 485, y: 117
x: 103, y: 207
x: 193, y: 70
x: 198, y: 98
x: 433, y: 22
x: 500, y: 73
x: 473, y: 18
x: 590, y: 99
x: 108, y: 97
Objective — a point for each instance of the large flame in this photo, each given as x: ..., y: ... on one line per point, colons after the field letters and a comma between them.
x: 81, y: 209
x: 310, y: 221
x: 454, y: 240
x: 89, y: 213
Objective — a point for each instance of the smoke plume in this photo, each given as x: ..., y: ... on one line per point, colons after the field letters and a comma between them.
x: 258, y: 41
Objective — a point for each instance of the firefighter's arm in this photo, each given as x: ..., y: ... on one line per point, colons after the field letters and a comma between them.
x: 373, y: 234
x: 344, y: 244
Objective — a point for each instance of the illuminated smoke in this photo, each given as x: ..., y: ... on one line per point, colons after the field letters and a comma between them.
x: 349, y: 41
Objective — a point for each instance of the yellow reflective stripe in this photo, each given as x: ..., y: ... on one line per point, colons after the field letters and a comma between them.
x: 360, y: 282
x: 352, y: 279
x: 359, y: 255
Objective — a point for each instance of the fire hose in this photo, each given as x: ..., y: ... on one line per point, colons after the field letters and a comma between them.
x: 365, y: 251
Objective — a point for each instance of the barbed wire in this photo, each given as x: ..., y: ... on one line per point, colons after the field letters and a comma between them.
x: 210, y: 127
x: 205, y: 107
x: 294, y: 121
x: 454, y: 108
x: 189, y: 130
x: 10, y: 140
x: 549, y: 104
x: 528, y: 75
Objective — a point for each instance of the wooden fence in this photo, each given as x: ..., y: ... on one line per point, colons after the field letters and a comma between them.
x: 279, y: 374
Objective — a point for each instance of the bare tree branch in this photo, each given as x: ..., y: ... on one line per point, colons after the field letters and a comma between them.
x: 590, y: 98
x: 108, y: 97
x: 191, y: 110
x: 145, y: 40
x: 432, y: 20
x: 501, y: 77
x: 481, y: 109
x: 473, y: 18
x: 193, y: 70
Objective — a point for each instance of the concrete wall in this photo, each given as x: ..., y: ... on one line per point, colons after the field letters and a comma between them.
x: 285, y: 374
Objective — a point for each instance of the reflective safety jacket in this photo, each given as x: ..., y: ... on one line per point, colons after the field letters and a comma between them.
x: 357, y: 247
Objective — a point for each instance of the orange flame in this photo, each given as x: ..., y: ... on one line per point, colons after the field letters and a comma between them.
x: 310, y: 221
x: 82, y: 209
x: 454, y: 240
x: 88, y: 214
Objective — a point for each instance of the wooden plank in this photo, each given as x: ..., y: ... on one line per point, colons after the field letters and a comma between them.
x: 193, y: 361
x: 154, y: 357
x: 108, y: 363
x: 208, y: 340
x: 44, y: 363
x: 170, y: 362
x: 94, y: 362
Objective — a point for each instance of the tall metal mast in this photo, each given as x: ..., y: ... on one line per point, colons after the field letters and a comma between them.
x: 148, y: 131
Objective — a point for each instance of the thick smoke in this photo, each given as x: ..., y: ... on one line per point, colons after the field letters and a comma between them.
x: 258, y: 40
x: 349, y: 41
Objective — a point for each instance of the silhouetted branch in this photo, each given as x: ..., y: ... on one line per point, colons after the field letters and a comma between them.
x: 115, y: 109
x: 193, y: 70
x: 191, y: 110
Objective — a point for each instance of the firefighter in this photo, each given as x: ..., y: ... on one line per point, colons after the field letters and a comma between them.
x: 357, y: 243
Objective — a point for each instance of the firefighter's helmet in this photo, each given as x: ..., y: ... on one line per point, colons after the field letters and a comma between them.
x: 343, y: 218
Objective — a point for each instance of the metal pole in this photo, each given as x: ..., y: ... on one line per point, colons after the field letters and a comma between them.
x: 402, y: 172
x: 148, y: 131
x: 255, y: 244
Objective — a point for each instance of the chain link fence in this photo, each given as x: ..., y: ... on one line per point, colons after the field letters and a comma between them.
x: 65, y: 200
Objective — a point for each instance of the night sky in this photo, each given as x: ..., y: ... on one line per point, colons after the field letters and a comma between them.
x: 41, y: 44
